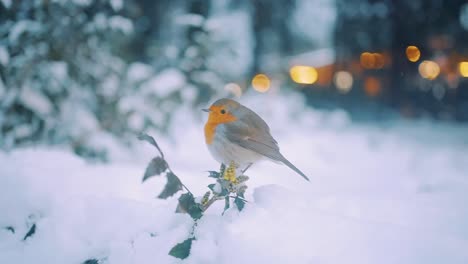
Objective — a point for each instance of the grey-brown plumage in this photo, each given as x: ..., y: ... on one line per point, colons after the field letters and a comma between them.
x: 249, y: 131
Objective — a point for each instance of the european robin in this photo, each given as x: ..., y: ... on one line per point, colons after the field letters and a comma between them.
x: 236, y: 135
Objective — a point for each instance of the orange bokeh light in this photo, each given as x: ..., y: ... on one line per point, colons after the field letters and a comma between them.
x: 372, y: 86
x: 372, y: 60
x: 412, y: 53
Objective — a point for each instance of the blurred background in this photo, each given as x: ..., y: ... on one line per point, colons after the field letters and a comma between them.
x: 77, y: 70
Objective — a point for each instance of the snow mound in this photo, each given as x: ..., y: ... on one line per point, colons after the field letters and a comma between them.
x: 376, y: 195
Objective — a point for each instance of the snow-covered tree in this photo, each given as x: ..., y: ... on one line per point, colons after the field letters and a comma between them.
x: 59, y: 73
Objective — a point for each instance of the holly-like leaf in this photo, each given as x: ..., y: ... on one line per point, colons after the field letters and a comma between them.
x: 156, y: 166
x: 31, y: 232
x: 211, y: 186
x: 214, y: 174
x: 173, y: 185
x: 224, y: 191
x: 240, y: 203
x: 91, y: 261
x: 10, y: 228
x: 187, y: 203
x: 182, y: 250
x: 226, y: 203
x: 150, y: 139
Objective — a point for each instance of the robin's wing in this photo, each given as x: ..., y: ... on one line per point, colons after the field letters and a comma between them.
x: 251, y: 132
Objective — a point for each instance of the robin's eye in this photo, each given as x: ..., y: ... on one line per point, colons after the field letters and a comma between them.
x: 223, y: 111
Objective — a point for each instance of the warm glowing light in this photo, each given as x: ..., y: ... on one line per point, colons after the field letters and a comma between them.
x: 303, y: 74
x: 343, y: 81
x: 463, y: 68
x: 429, y: 69
x: 261, y: 83
x: 372, y: 60
x: 412, y: 53
x: 233, y: 88
x: 372, y: 86
x: 379, y: 60
x: 367, y: 60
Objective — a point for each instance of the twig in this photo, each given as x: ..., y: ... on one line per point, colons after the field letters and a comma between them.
x: 238, y: 197
x: 211, y: 201
x: 187, y: 189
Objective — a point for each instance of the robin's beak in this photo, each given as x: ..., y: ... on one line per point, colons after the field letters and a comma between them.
x: 206, y: 110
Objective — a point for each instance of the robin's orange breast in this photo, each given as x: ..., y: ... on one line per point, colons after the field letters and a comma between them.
x: 217, y: 116
x: 210, y: 130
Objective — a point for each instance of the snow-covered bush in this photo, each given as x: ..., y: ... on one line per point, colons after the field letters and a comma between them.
x: 59, y: 74
x: 67, y: 75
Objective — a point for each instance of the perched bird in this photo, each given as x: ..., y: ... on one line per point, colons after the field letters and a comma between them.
x: 236, y: 135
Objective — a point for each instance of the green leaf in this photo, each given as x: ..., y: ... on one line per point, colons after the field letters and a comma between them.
x: 224, y: 191
x: 226, y: 203
x: 214, y: 174
x: 173, y: 185
x: 211, y: 186
x: 10, y: 228
x: 239, y: 203
x: 150, y: 139
x: 182, y: 250
x: 222, y: 169
x: 91, y: 261
x: 156, y: 166
x: 31, y: 232
x: 187, y: 203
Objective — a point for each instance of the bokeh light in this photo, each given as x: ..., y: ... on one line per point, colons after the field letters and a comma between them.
x: 234, y: 89
x: 379, y: 60
x: 343, y: 81
x: 372, y: 86
x: 261, y: 83
x: 429, y: 69
x: 367, y: 60
x: 463, y: 68
x: 413, y: 53
x: 372, y: 60
x: 303, y: 74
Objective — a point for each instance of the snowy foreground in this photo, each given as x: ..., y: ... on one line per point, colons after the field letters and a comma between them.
x: 391, y: 194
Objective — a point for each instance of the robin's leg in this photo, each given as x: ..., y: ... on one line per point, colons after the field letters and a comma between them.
x: 246, y: 168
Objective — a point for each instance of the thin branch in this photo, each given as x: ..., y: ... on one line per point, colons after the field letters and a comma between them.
x: 211, y: 201
x: 238, y: 197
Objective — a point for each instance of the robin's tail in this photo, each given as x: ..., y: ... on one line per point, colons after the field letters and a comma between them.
x: 294, y: 168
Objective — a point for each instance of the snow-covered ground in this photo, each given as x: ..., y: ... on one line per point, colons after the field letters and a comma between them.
x: 393, y: 193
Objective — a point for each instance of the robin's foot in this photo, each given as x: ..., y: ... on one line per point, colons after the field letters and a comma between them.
x: 230, y: 173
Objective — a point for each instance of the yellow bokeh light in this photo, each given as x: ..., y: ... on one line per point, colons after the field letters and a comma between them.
x: 429, y: 69
x: 234, y: 89
x: 463, y: 68
x: 413, y: 53
x: 343, y: 81
x: 261, y: 83
x: 303, y: 74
